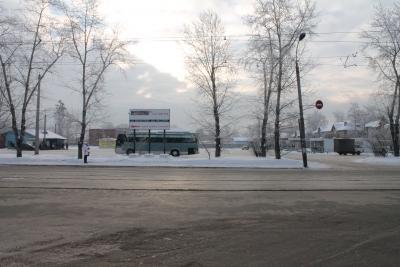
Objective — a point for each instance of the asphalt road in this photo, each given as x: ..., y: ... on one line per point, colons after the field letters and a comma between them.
x: 345, y: 215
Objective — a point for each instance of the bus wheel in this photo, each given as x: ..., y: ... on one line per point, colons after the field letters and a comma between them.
x: 358, y: 153
x: 129, y: 151
x: 345, y: 153
x: 353, y: 153
x: 175, y: 153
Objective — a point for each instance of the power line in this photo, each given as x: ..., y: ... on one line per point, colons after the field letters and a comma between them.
x: 350, y: 77
x: 183, y: 38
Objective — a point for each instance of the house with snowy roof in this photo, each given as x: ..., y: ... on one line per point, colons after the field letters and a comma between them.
x: 47, y: 139
x: 377, y: 125
x: 338, y: 130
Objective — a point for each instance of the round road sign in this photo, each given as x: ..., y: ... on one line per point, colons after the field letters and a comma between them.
x: 319, y: 104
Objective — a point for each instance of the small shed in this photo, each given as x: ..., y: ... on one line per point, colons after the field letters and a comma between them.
x: 107, y: 143
x: 48, y: 139
x: 321, y: 145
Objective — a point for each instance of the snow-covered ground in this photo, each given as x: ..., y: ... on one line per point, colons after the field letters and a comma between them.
x: 234, y: 158
x: 389, y: 160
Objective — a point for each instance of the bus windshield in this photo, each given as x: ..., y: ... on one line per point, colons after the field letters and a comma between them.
x: 176, y: 143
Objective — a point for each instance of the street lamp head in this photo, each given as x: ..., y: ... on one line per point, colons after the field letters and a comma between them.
x: 302, y: 35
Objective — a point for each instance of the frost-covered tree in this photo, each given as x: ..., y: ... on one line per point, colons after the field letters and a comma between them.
x: 382, y: 50
x: 280, y: 23
x: 314, y: 120
x: 259, y: 60
x: 211, y: 69
x: 95, y: 48
x: 339, y: 116
x: 32, y: 41
x: 355, y: 114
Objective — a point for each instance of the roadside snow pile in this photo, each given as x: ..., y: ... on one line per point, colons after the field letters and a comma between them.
x: 389, y: 160
x: 156, y: 161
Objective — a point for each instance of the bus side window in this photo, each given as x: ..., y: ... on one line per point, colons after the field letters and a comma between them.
x: 121, y: 139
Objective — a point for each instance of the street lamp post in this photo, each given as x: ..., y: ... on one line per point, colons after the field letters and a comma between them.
x: 301, y: 120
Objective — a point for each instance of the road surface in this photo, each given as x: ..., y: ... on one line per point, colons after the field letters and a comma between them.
x: 345, y: 215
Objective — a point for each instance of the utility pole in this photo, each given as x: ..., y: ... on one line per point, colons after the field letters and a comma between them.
x: 37, y: 118
x: 44, y: 132
x: 301, y: 120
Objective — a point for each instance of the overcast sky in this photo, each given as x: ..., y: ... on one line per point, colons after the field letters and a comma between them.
x: 157, y: 80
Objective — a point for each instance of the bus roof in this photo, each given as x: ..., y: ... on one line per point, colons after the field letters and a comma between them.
x: 174, y: 130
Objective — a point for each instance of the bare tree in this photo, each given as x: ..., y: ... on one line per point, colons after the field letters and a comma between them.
x: 315, y: 119
x: 339, y: 115
x: 378, y: 140
x: 281, y: 22
x: 32, y: 45
x: 355, y: 115
x: 371, y: 111
x: 4, y: 32
x: 210, y: 67
x: 260, y: 61
x: 382, y: 50
x: 95, y: 48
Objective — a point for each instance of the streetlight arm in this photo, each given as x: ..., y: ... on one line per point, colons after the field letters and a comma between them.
x: 301, y: 37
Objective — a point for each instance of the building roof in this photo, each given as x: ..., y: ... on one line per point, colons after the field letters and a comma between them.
x: 284, y: 135
x: 349, y: 127
x: 337, y: 126
x: 241, y: 139
x: 49, y: 134
x: 295, y: 134
x: 373, y: 124
x: 326, y: 128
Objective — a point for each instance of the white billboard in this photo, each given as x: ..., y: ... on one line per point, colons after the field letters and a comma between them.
x: 149, y: 119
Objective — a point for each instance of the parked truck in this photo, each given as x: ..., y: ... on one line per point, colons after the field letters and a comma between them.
x: 347, y: 146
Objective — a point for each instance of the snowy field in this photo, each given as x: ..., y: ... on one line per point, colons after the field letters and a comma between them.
x: 231, y: 158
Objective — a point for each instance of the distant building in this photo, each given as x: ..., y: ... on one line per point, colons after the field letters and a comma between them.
x: 291, y: 141
x: 321, y: 145
x: 338, y: 130
x: 48, y: 139
x: 374, y: 126
x: 241, y: 141
x: 96, y: 134
x: 107, y: 143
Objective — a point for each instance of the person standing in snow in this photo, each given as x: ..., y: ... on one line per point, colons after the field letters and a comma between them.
x: 86, y: 150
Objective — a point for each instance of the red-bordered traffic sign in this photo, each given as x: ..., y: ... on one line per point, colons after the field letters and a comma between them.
x: 319, y: 104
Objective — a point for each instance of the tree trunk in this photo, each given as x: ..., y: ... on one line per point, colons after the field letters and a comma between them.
x: 19, y: 147
x: 216, y: 115
x: 267, y: 96
x: 396, y: 146
x: 217, y: 139
x: 80, y: 144
x: 264, y: 137
x: 276, y: 136
x: 394, y: 122
x: 81, y: 138
x: 276, y: 130
x: 278, y: 111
